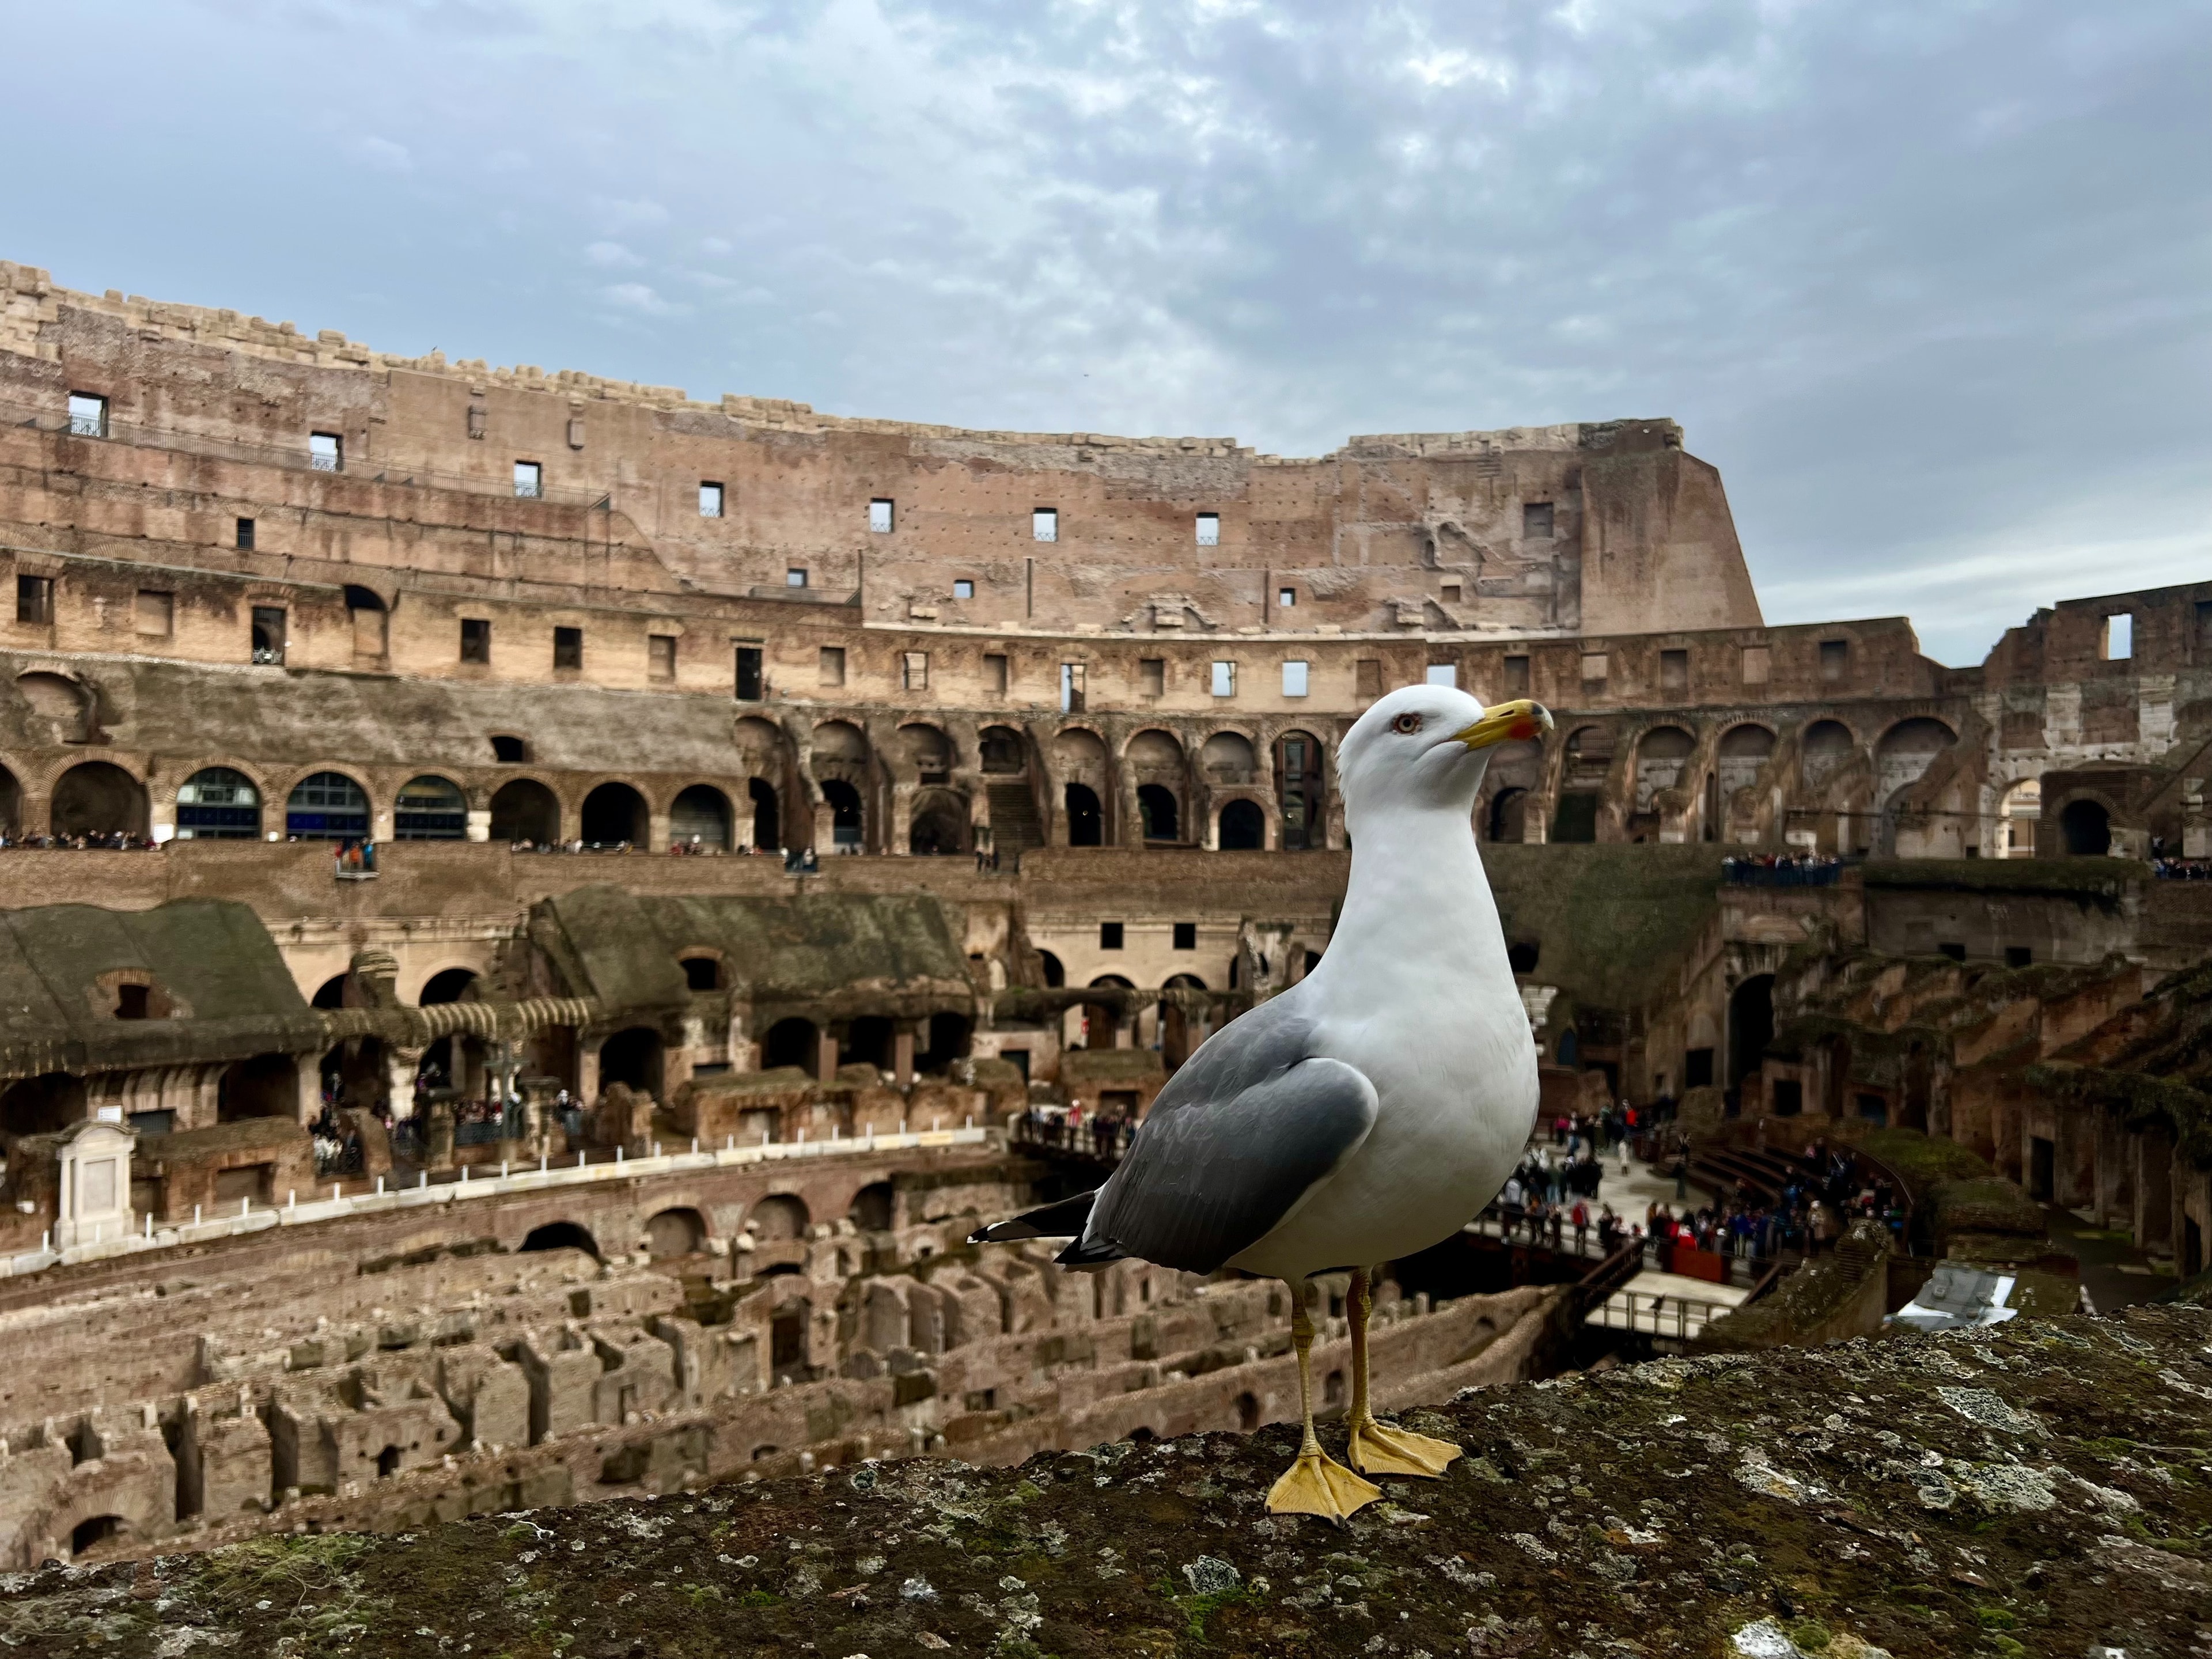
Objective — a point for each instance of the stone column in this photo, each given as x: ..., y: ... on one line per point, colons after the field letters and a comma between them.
x: 825, y: 1056
x: 903, y: 1054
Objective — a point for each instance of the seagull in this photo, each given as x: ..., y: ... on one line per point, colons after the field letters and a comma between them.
x: 1366, y: 1113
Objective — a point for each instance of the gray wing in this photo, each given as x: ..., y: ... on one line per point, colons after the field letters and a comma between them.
x: 1232, y: 1144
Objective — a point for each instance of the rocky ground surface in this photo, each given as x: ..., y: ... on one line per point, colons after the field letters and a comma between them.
x: 2043, y: 1488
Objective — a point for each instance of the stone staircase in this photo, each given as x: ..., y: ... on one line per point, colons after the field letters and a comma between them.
x: 1015, y: 826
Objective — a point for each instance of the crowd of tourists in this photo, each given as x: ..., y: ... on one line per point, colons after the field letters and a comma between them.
x: 1103, y: 1134
x: 1782, y: 869
x: 114, y: 841
x: 2182, y: 869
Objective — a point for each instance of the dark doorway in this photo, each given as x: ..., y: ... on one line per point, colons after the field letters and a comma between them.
x: 100, y: 1529
x: 871, y: 1207
x: 1086, y: 824
x: 1156, y: 805
x: 2042, y: 1169
x: 847, y: 828
x: 267, y: 1086
x: 614, y: 813
x: 40, y: 1105
x: 1751, y: 1027
x: 787, y: 1339
x: 388, y: 1463
x: 869, y: 1041
x: 948, y: 1037
x: 99, y: 798
x: 791, y: 1042
x: 1698, y: 1068
x: 768, y: 822
x: 561, y: 1235
x: 1509, y: 815
x: 1243, y: 827
x: 525, y: 810
x: 939, y: 827
x: 2088, y: 829
x: 632, y: 1057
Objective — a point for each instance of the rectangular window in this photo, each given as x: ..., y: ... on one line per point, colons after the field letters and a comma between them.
x: 1441, y: 673
x: 1516, y: 676
x: 2019, y: 956
x: 268, y: 633
x: 326, y: 452
x: 1596, y: 666
x: 1110, y: 935
x: 1294, y: 679
x: 795, y: 577
x: 1835, y: 660
x: 749, y: 673
x: 2119, y: 636
x: 1674, y: 670
x: 831, y: 666
x: 1044, y: 524
x: 87, y: 414
x: 529, y: 480
x: 914, y: 671
x: 963, y: 588
x: 1758, y: 665
x: 1367, y: 677
x: 245, y: 535
x: 1070, y: 688
x: 1186, y: 936
x: 1152, y: 676
x: 155, y: 614
x: 710, y: 500
x: 994, y: 673
x: 1449, y: 592
x: 882, y: 515
x: 568, y: 647
x: 1536, y: 521
x: 660, y: 656
x: 1286, y: 599
x: 35, y: 599
x: 475, y: 640
x: 1225, y: 680
x: 1209, y: 530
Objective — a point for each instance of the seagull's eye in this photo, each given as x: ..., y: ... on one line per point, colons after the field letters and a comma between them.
x: 1406, y: 723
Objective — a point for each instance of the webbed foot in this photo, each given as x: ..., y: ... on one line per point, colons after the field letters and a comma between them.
x: 1376, y: 1448
x: 1318, y: 1485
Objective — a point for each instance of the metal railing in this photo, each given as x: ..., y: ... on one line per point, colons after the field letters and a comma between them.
x: 1657, y: 1313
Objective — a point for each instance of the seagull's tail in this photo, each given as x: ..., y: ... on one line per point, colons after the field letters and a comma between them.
x: 1062, y: 1220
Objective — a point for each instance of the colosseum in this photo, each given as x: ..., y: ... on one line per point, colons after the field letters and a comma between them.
x: 540, y: 910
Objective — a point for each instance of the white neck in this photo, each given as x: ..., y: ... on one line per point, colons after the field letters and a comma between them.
x: 1419, y: 903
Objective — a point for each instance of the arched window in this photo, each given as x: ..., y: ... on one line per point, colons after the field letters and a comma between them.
x: 327, y: 806
x: 1298, y: 790
x: 217, y: 803
x: 614, y: 813
x: 1086, y: 822
x: 940, y: 825
x: 525, y: 810
x: 846, y: 828
x: 431, y: 809
x: 1243, y: 827
x: 1156, y: 805
x: 2088, y: 828
x: 700, y: 817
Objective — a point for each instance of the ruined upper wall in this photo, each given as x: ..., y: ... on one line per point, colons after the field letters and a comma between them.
x: 1524, y: 531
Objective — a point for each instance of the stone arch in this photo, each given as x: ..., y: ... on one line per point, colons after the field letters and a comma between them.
x: 1904, y: 753
x: 701, y: 817
x: 525, y: 810
x: 679, y: 1231
x: 1087, y: 819
x: 2085, y: 827
x: 561, y: 1236
x: 430, y: 808
x: 458, y: 983
x: 1154, y: 749
x: 928, y: 750
x: 1662, y: 756
x: 70, y: 707
x: 792, y: 1041
x: 939, y: 824
x: 1078, y: 749
x: 702, y: 968
x: 2019, y: 811
x: 632, y: 1056
x: 767, y: 815
x: 1300, y: 792
x: 780, y: 1218
x: 1228, y: 757
x: 98, y: 798
x: 1001, y: 751
x: 1159, y: 812
x: 613, y: 813
x: 1743, y: 749
x: 327, y: 806
x: 218, y: 803
x: 872, y: 1207
x: 1827, y: 748
x: 1243, y: 827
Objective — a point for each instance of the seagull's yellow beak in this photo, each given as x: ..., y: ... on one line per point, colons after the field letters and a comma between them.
x: 1507, y: 722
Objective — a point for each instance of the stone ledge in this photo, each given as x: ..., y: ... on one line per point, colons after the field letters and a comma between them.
x: 2027, y: 1490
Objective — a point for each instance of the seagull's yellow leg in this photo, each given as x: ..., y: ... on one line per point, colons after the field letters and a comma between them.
x: 1374, y: 1448
x: 1316, y: 1484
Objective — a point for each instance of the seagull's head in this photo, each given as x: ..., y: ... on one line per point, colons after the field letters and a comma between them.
x: 1427, y: 746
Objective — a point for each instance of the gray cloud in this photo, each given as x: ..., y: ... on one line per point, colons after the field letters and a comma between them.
x: 1925, y: 279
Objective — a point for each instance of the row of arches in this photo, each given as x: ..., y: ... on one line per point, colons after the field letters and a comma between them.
x: 682, y: 1230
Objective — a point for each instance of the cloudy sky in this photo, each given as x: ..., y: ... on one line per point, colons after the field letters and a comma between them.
x: 1931, y: 282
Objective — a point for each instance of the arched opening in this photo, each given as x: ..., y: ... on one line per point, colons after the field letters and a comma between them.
x: 1055, y: 973
x: 1522, y: 956
x: 40, y: 1105
x: 674, y: 1233
x: 1827, y: 746
x: 1247, y: 1411
x: 2017, y: 813
x: 1751, y: 1028
x: 1156, y: 809
x: 1100, y: 1022
x: 525, y: 810
x: 632, y: 1057
x: 327, y: 806
x: 1299, y: 790
x: 267, y: 1086
x: 388, y: 1463
x: 939, y: 827
x: 698, y: 818
x: 1086, y: 824
x: 1742, y: 751
x: 1243, y: 827
x: 1905, y: 752
x: 430, y: 808
x: 702, y: 973
x: 928, y: 751
x: 791, y: 1042
x: 99, y: 798
x: 1660, y: 758
x: 871, y: 1207
x: 1509, y: 814
x: 2087, y: 829
x: 448, y: 985
x: 372, y: 621
x: 847, y: 827
x: 218, y: 803
x: 614, y: 813
x: 1142, y: 1435
x: 999, y: 749
x: 88, y: 1535
x: 330, y: 993
x: 767, y: 820
x: 786, y: 1342
x: 949, y: 1037
x: 355, y: 1072
x: 870, y: 1039
x: 780, y: 1218
x: 561, y: 1235
x: 1227, y: 757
